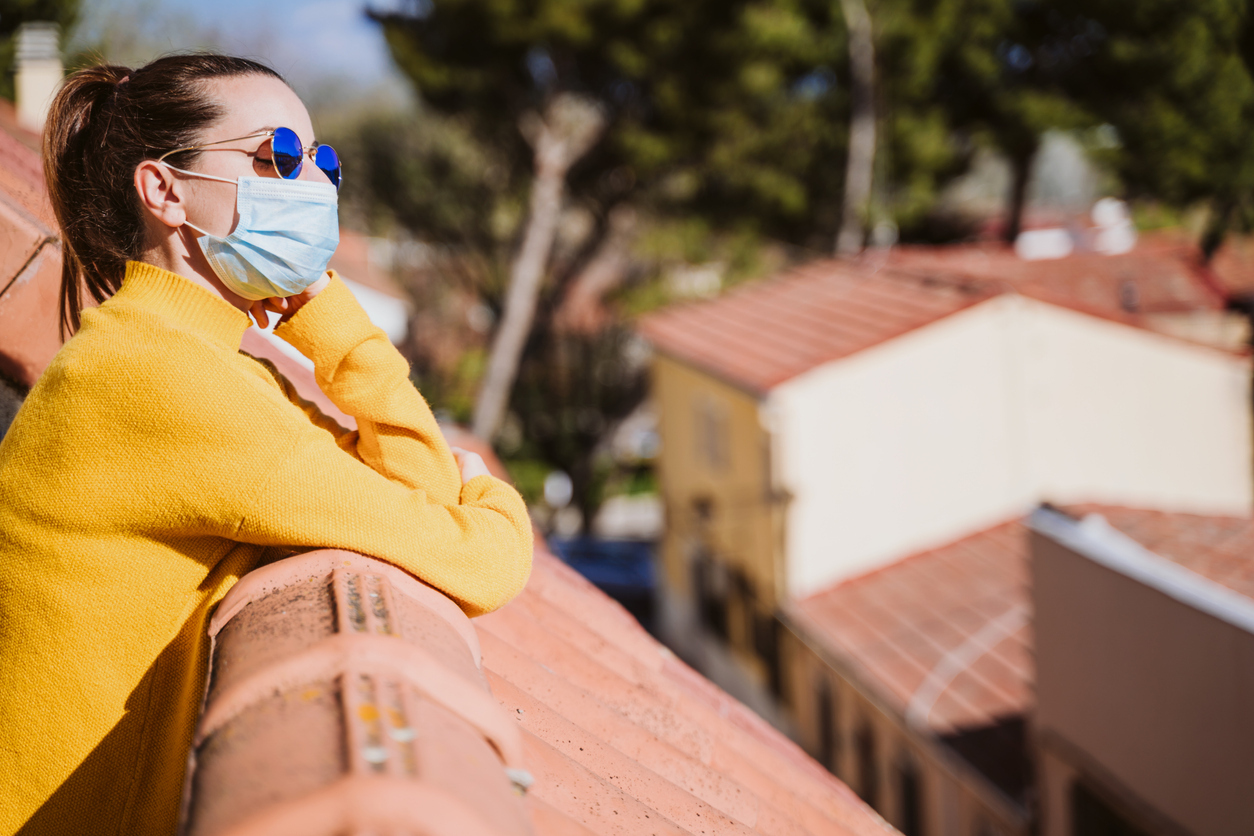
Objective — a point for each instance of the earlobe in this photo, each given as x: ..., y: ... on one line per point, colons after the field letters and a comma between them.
x: 160, y: 193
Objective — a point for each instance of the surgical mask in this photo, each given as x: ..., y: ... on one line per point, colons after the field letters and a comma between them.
x: 287, y: 232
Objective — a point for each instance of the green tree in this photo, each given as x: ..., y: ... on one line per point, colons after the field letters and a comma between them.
x: 1175, y: 80
x: 725, y: 111
x: 958, y: 73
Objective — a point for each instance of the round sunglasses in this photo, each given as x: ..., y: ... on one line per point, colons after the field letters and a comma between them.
x: 287, y: 154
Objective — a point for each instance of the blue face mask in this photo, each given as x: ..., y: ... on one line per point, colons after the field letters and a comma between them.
x: 287, y: 232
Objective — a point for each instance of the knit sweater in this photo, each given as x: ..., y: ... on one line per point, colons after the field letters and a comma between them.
x: 150, y: 467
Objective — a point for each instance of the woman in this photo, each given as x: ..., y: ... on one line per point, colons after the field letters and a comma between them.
x: 153, y: 464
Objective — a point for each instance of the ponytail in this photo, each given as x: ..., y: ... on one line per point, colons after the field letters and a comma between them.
x: 103, y: 123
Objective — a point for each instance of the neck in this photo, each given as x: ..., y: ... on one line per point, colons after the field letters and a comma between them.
x: 180, y: 254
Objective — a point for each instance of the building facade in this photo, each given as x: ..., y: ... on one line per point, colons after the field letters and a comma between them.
x: 820, y: 428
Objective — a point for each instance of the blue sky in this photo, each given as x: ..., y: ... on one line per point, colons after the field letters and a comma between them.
x: 314, y: 42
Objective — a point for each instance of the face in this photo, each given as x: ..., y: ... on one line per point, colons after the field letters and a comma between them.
x: 251, y: 104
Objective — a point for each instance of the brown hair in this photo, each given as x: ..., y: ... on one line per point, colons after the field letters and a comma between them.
x: 104, y: 122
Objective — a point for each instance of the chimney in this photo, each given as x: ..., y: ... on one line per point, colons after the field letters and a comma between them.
x: 39, y: 72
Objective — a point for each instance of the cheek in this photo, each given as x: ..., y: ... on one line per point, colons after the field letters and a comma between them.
x: 217, y: 206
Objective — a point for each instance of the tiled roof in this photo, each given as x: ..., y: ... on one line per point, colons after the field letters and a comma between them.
x: 1162, y: 275
x: 760, y: 335
x: 1233, y: 265
x: 1218, y: 548
x: 944, y: 637
x: 344, y: 695
x: 768, y: 332
x: 624, y: 737
x: 30, y: 258
x: 909, y: 627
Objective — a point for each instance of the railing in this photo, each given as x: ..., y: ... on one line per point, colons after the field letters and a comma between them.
x: 346, y: 697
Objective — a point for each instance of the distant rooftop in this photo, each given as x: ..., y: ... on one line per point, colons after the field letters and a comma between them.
x: 944, y: 637
x: 765, y: 333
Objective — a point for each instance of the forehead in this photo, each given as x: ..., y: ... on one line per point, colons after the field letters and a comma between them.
x: 254, y: 102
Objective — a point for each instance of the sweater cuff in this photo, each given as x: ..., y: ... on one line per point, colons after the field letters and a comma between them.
x: 477, y: 488
x: 328, y: 326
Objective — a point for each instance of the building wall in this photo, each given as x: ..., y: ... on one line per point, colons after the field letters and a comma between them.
x: 713, y: 453
x: 1145, y: 677
x: 974, y: 419
x: 1126, y: 417
x: 952, y: 799
x: 722, y: 528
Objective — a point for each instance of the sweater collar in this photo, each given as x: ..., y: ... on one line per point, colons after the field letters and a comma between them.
x: 177, y: 298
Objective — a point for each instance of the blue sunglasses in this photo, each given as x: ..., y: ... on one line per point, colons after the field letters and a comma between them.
x: 287, y: 154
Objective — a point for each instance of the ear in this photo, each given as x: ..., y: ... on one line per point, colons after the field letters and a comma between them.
x: 161, y: 193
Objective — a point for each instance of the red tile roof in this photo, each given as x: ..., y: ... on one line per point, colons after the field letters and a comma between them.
x: 1233, y: 265
x: 1162, y: 275
x: 944, y: 635
x: 763, y: 334
x: 907, y: 629
x: 622, y: 737
x: 1218, y: 548
x: 760, y: 335
x: 30, y: 257
x: 343, y: 696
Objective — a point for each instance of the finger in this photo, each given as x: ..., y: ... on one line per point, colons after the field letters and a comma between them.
x: 258, y: 310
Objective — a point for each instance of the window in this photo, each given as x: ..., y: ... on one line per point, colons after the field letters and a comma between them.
x: 868, y: 765
x: 829, y: 735
x: 767, y: 635
x: 710, y: 581
x: 713, y: 448
x: 910, y: 796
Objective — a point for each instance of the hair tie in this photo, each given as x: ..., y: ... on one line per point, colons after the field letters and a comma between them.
x: 125, y: 79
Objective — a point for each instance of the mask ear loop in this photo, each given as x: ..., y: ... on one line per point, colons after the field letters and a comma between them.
x: 205, y: 176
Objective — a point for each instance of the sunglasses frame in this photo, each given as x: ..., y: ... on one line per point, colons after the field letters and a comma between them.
x: 310, y: 152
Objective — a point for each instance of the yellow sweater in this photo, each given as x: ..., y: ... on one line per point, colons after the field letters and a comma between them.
x: 153, y: 465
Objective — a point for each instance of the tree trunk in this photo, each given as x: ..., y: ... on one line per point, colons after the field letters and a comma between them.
x: 569, y: 128
x: 861, y: 162
x: 1021, y: 173
x: 582, y: 310
x: 1217, y: 227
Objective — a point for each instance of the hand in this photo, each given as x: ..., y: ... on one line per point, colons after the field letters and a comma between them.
x: 286, y: 306
x: 471, y: 464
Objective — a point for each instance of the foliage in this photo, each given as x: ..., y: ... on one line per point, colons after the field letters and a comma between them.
x: 726, y: 109
x: 957, y: 73
x: 1175, y: 80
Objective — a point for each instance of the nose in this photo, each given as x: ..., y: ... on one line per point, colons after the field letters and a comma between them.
x: 308, y: 170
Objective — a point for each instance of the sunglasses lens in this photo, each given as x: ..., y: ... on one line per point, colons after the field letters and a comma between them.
x: 327, y: 160
x: 288, y: 153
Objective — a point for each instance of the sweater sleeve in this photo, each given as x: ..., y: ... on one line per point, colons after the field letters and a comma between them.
x: 476, y: 550
x: 397, y: 494
x: 363, y: 374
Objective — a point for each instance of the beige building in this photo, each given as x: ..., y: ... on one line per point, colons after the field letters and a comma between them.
x: 820, y: 427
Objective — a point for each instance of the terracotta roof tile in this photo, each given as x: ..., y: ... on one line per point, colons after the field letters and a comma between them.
x: 30, y: 257
x: 899, y: 623
x: 1218, y: 548
x: 926, y: 607
x: 762, y: 334
x: 1161, y: 275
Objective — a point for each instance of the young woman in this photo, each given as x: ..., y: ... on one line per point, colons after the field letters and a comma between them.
x: 153, y: 464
